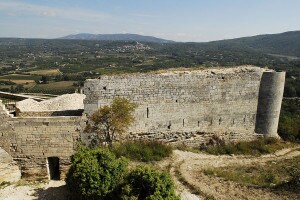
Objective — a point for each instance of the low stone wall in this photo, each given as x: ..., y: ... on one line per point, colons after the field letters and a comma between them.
x: 193, y: 139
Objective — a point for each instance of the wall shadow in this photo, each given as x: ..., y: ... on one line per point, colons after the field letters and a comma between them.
x: 53, y: 193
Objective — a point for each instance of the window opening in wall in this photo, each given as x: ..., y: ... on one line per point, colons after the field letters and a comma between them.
x: 53, y: 166
x: 220, y: 120
x: 104, y: 88
x: 198, y: 123
x: 147, y: 112
x: 176, y: 101
x: 183, y: 122
x: 233, y: 121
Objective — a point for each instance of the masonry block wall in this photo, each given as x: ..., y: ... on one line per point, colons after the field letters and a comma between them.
x: 183, y: 105
x: 30, y: 141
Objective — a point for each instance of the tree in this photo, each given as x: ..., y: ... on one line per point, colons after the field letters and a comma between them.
x: 114, y: 119
x: 44, y: 79
x: 95, y: 173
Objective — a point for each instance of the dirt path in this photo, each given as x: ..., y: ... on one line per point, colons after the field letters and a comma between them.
x: 191, y: 164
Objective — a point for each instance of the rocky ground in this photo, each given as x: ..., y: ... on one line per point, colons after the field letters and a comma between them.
x: 186, y: 168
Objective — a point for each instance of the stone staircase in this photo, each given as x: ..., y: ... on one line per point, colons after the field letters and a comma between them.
x: 9, y: 171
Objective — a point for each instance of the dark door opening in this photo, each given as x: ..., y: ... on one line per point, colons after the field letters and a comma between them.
x: 53, y: 164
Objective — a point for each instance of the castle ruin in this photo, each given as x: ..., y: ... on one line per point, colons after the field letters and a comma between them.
x: 236, y: 104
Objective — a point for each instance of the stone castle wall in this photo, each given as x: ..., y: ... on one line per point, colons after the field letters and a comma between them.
x: 182, y: 105
x: 30, y: 141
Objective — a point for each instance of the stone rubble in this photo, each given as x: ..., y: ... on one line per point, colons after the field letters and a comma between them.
x: 63, y: 102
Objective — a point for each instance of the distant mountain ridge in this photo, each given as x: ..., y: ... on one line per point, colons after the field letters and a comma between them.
x: 116, y: 37
x: 287, y: 43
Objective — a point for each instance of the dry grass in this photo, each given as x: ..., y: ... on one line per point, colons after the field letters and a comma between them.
x: 52, y: 72
x: 269, y: 174
x: 19, y: 81
x: 256, y: 147
x: 55, y: 85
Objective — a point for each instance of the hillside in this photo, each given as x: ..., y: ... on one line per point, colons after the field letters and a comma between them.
x: 116, y: 37
x: 287, y: 43
x: 79, y: 59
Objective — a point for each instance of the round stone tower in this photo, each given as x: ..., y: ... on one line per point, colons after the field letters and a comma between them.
x: 269, y: 103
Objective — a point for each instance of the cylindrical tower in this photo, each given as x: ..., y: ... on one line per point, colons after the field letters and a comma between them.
x: 269, y: 103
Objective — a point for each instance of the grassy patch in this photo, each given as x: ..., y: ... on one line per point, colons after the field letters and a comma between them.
x: 183, y: 147
x: 6, y: 101
x: 270, y: 174
x: 142, y: 151
x: 289, y: 126
x: 20, y: 81
x: 24, y: 182
x: 4, y: 184
x: 256, y: 147
x: 60, y: 87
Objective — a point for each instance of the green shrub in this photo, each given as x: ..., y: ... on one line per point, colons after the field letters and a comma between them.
x: 289, y: 126
x: 142, y: 151
x: 148, y: 183
x: 4, y: 184
x: 95, y: 173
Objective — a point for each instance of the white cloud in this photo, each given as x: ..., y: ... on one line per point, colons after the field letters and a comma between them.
x: 142, y: 15
x: 13, y: 8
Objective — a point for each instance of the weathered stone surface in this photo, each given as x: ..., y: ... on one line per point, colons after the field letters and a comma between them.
x: 9, y: 170
x: 30, y: 141
x: 210, y: 101
x: 270, y: 98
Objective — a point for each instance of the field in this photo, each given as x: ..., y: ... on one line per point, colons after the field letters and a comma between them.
x: 50, y: 72
x: 54, y: 88
x: 14, y: 77
x: 20, y: 78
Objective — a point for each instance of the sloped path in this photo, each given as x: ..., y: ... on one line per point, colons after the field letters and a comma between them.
x: 192, y: 164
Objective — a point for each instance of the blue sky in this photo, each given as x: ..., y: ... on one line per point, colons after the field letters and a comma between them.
x: 179, y: 20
